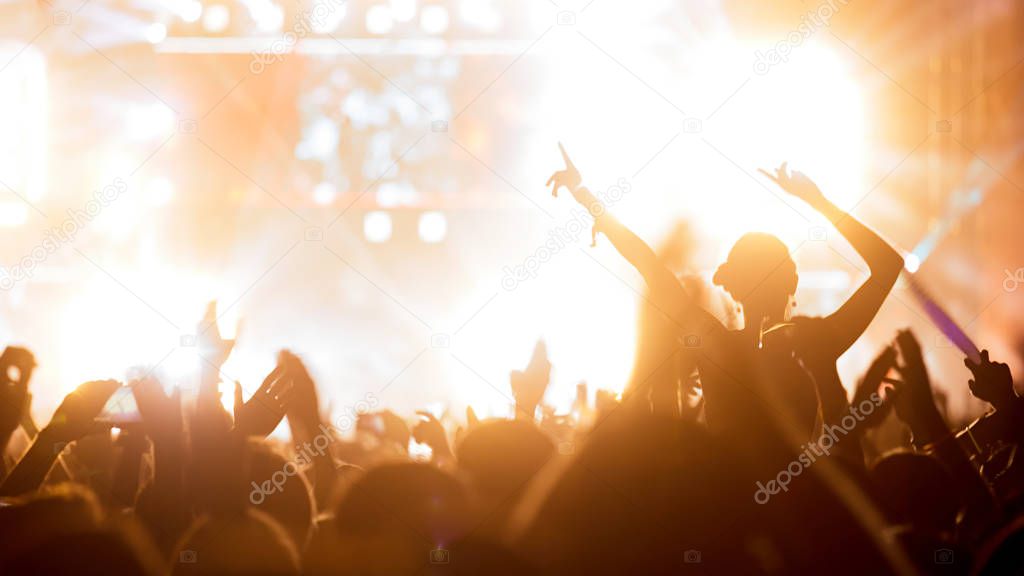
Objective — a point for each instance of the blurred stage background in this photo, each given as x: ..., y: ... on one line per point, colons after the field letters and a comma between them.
x: 354, y: 179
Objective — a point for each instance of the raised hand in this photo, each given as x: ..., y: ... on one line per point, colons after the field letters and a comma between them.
x: 212, y: 346
x: 528, y: 386
x: 569, y: 177
x: 992, y: 382
x: 795, y: 183
x: 75, y: 417
x: 429, y: 431
x: 868, y: 388
x: 14, y: 396
x: 265, y: 410
x: 913, y: 398
x: 304, y: 406
x: 161, y: 413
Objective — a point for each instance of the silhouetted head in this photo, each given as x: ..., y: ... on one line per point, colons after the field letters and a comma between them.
x: 759, y: 274
x: 247, y: 542
x: 916, y: 489
x: 278, y: 487
x: 390, y: 520
x: 52, y: 512
x: 496, y: 482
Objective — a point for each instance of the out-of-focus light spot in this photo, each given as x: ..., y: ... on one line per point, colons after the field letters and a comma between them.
x: 216, y: 18
x: 379, y: 19
x: 377, y: 227
x: 319, y: 141
x: 434, y: 19
x: 433, y: 227
x: 403, y: 10
x: 393, y: 194
x: 159, y: 191
x: 156, y: 33
x: 324, y: 193
x: 326, y: 15
x: 268, y: 16
x: 191, y: 11
x: 911, y: 262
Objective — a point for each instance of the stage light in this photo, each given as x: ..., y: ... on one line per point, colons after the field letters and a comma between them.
x: 394, y: 194
x: 377, y: 227
x: 156, y: 33
x: 433, y: 227
x: 379, y: 20
x: 434, y: 19
x: 325, y: 15
x: 191, y: 11
x: 216, y: 18
x: 403, y: 10
x: 268, y: 16
x: 319, y: 141
x: 324, y: 193
x: 911, y: 262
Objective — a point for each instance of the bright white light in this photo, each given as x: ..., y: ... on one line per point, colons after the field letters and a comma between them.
x: 216, y: 18
x: 433, y: 227
x: 191, y: 11
x: 156, y: 33
x: 12, y: 214
x: 911, y: 262
x: 320, y: 140
x: 148, y: 121
x: 324, y: 193
x: 159, y: 191
x: 434, y: 19
x: 326, y: 15
x: 403, y: 10
x: 268, y: 16
x: 377, y: 227
x: 379, y: 20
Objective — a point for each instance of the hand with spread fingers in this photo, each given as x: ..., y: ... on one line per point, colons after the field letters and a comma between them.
x: 913, y: 401
x: 261, y: 414
x: 795, y: 183
x: 992, y: 382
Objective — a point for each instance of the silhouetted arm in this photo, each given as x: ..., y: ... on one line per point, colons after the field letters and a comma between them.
x: 667, y: 294
x: 72, y: 420
x: 915, y: 405
x: 844, y: 326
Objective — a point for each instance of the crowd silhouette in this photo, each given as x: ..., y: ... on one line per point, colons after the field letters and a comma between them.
x: 734, y: 449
